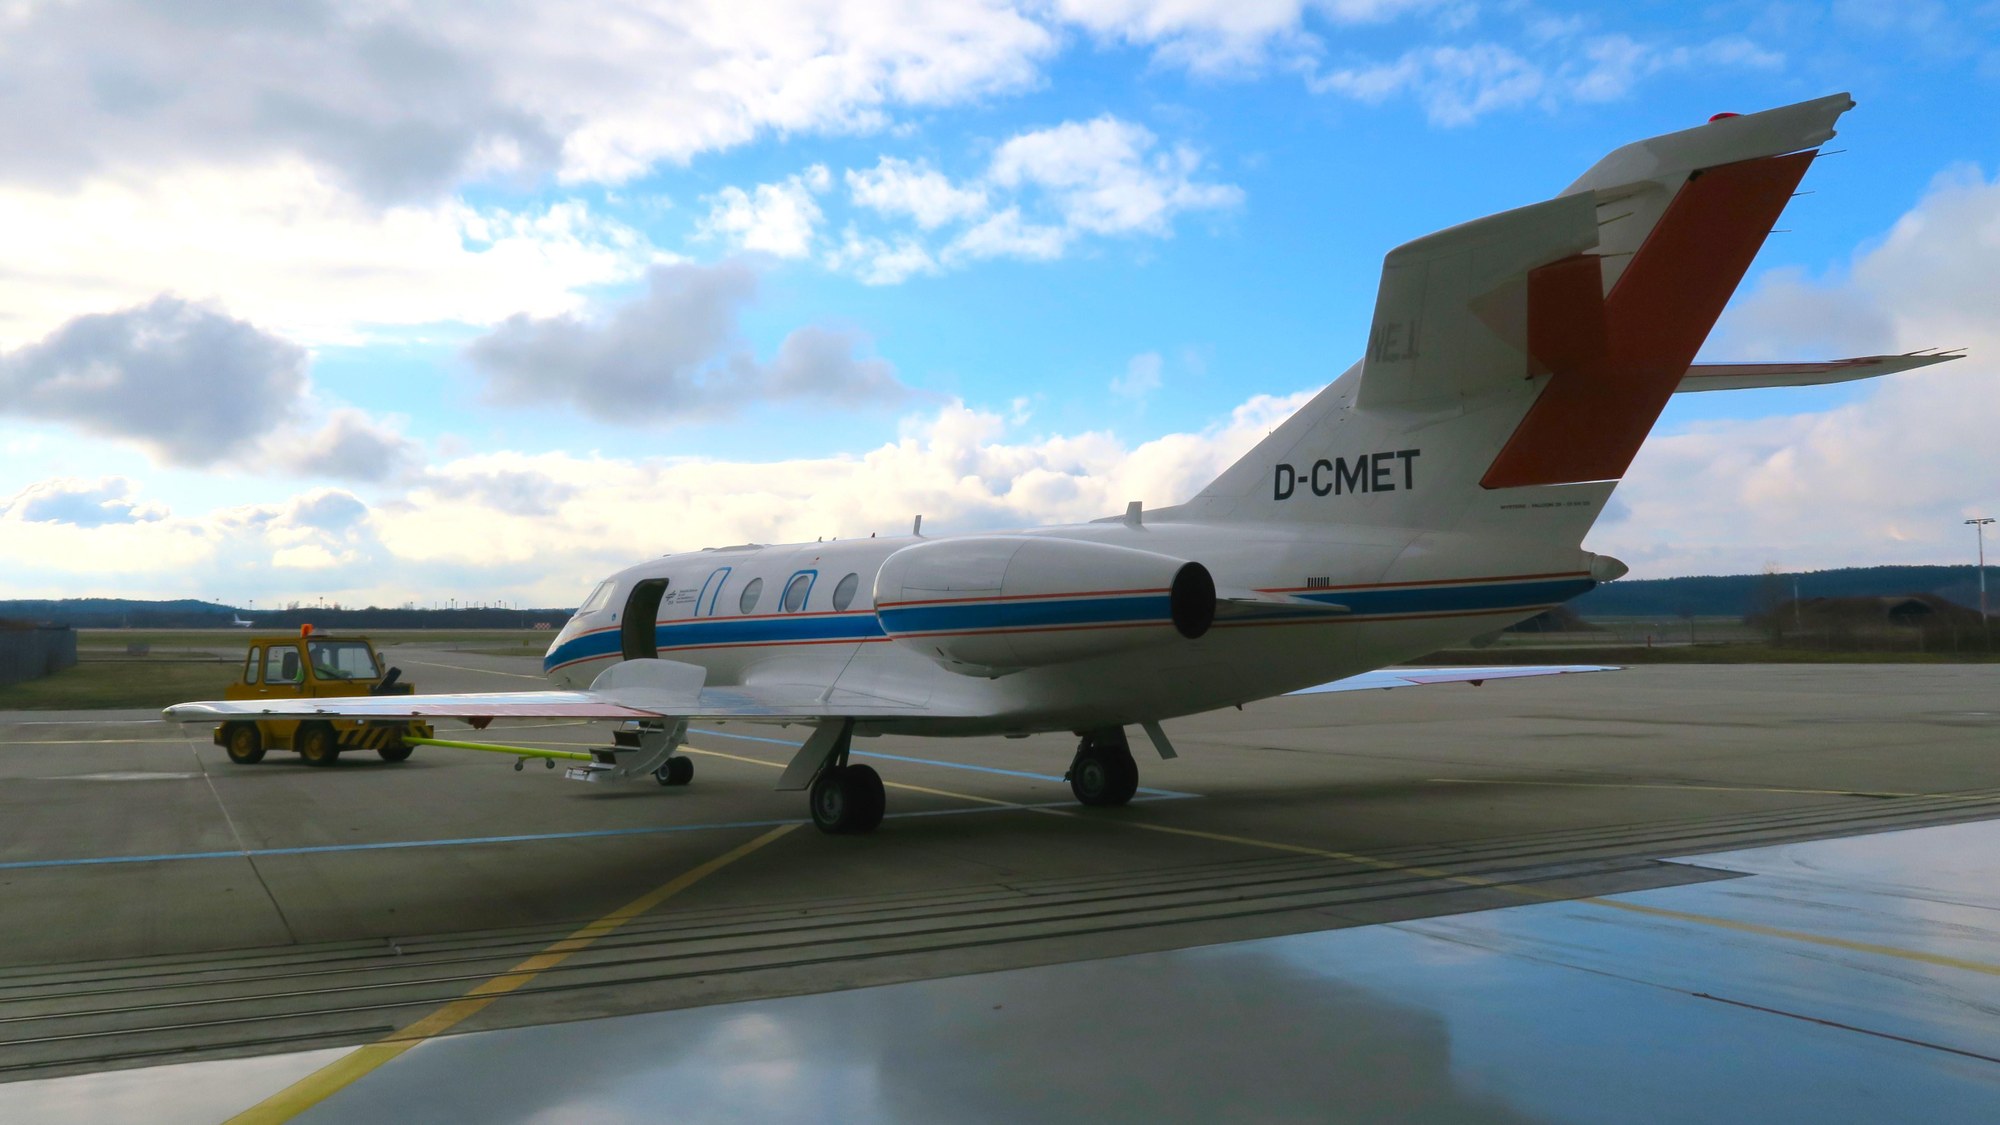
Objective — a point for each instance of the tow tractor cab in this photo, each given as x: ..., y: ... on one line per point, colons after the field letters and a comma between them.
x: 315, y: 666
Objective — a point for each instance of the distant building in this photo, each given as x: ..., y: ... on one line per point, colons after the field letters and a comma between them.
x: 29, y: 651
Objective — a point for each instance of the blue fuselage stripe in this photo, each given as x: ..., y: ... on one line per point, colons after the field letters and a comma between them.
x: 1052, y: 613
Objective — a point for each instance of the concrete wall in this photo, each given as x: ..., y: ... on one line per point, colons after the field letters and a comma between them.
x: 30, y: 654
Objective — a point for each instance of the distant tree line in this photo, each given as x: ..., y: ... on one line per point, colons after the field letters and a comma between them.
x: 187, y: 613
x: 1742, y: 595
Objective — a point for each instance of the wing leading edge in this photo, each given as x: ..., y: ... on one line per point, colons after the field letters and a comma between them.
x: 1420, y: 677
x: 634, y: 689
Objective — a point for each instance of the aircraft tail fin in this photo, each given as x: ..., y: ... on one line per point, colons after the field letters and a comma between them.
x: 1534, y: 349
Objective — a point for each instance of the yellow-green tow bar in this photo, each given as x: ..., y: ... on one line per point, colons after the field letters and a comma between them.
x: 521, y: 753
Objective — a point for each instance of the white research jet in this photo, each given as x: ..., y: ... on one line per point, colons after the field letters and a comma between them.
x: 1439, y: 489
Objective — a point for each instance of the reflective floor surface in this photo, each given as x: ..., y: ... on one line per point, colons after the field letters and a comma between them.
x: 1852, y: 979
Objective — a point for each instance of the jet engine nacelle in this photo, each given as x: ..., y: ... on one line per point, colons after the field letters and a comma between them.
x: 989, y: 604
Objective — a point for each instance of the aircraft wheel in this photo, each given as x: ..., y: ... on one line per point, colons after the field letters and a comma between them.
x: 245, y: 745
x: 1103, y: 775
x: 317, y: 744
x: 396, y: 753
x: 848, y: 800
x: 677, y: 770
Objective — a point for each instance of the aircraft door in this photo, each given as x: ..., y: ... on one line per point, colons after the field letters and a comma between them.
x: 637, y: 638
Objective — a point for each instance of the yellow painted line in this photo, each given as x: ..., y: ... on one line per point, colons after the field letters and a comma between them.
x: 1471, y: 881
x: 1895, y: 951
x: 1541, y: 895
x: 497, y: 748
x: 1698, y: 788
x: 316, y: 1087
x: 886, y: 785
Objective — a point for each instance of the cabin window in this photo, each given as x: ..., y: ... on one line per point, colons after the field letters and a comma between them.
x: 796, y: 591
x: 843, y: 594
x: 253, y: 664
x: 751, y: 593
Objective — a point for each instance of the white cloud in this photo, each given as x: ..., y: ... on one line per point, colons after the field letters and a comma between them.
x: 188, y: 382
x: 778, y: 219
x: 1141, y: 378
x: 901, y: 187
x: 1458, y: 84
x: 876, y: 261
x: 290, y: 251
x: 247, y: 551
x: 83, y: 503
x: 1043, y: 190
x: 674, y: 354
x: 1455, y: 85
x: 1213, y: 35
x: 1005, y: 234
x: 1106, y: 178
x: 539, y: 528
x: 403, y: 101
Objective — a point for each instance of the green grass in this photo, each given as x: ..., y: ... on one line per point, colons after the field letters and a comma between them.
x: 105, y: 684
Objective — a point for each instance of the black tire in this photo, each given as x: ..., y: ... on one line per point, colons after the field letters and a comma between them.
x: 677, y: 770
x: 866, y: 796
x: 245, y: 745
x: 396, y: 753
x: 1104, y: 776
x: 848, y: 800
x: 316, y: 743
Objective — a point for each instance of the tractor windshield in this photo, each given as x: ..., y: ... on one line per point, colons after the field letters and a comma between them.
x: 342, y: 660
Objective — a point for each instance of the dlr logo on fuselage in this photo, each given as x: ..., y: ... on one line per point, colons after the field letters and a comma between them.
x: 1370, y: 472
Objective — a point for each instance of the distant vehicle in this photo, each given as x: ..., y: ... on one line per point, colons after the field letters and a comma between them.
x: 240, y: 621
x: 312, y: 666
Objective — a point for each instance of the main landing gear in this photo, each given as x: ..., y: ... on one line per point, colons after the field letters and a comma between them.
x: 848, y: 800
x: 845, y: 799
x: 1103, y: 772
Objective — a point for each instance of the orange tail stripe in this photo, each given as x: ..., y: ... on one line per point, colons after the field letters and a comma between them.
x: 1614, y: 363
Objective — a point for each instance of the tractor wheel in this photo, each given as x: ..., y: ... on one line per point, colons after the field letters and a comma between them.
x: 316, y: 743
x: 245, y: 745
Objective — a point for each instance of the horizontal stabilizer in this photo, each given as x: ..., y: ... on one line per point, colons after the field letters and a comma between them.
x: 1743, y: 376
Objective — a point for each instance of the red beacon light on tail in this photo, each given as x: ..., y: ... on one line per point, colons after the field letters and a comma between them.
x: 1715, y: 117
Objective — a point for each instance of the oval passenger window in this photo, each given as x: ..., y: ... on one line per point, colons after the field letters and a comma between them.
x: 751, y: 593
x: 843, y: 594
x: 795, y: 592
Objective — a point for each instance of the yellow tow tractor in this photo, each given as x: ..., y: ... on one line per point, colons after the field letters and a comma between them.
x: 314, y: 666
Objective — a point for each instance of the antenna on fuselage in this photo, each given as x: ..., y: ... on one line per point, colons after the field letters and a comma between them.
x: 917, y: 528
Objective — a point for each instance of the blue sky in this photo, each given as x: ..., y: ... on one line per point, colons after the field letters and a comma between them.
x: 403, y: 304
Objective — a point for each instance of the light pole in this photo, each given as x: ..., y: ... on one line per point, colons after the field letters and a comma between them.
x: 1979, y: 529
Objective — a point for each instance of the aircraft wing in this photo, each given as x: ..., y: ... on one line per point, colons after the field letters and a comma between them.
x: 1417, y: 677
x: 634, y: 689
x: 1743, y: 376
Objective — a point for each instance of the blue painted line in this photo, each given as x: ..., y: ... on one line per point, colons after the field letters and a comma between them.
x: 468, y: 841
x: 1057, y: 778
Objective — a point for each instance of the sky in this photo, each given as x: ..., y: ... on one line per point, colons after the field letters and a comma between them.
x: 398, y: 302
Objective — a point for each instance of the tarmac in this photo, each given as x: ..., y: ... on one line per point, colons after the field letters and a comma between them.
x: 1351, y: 905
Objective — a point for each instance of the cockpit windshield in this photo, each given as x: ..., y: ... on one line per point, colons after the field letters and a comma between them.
x: 596, y: 600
